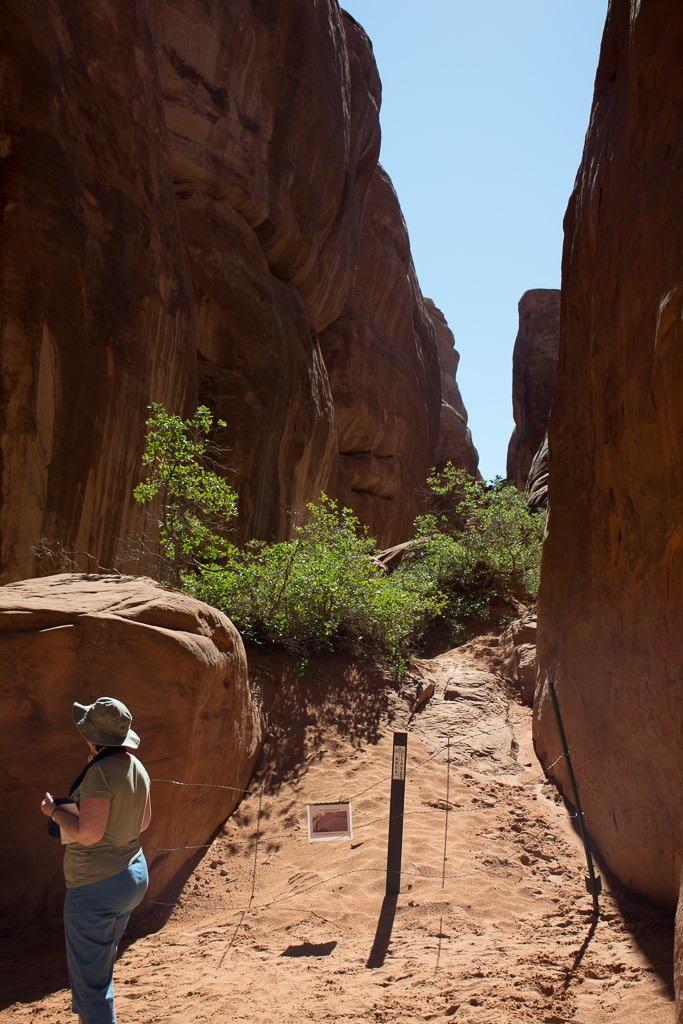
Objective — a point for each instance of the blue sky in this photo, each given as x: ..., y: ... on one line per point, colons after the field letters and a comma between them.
x: 485, y: 106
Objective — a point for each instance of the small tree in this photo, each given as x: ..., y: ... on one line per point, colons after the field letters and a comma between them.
x: 191, y: 504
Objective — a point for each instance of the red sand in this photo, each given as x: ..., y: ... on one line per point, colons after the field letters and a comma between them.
x: 270, y: 927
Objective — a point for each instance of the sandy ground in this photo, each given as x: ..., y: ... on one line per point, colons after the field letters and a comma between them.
x: 492, y: 924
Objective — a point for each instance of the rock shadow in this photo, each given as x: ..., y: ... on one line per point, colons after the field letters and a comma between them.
x: 650, y: 926
x: 301, y: 707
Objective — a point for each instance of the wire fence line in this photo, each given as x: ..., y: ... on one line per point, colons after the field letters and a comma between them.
x: 385, y: 779
x: 40, y: 779
x: 503, y: 870
x: 259, y: 837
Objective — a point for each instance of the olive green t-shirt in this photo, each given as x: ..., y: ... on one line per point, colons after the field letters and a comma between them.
x: 123, y: 780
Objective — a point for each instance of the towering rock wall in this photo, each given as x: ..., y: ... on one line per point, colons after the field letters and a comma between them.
x: 611, y: 600
x: 187, y: 210
x: 383, y: 339
x: 95, y: 290
x: 273, y: 119
x: 534, y: 363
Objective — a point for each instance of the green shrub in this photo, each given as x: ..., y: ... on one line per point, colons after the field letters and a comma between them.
x: 319, y: 592
x: 324, y: 590
x: 481, y: 548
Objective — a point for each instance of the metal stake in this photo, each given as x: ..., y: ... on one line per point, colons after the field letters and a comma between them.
x: 593, y: 882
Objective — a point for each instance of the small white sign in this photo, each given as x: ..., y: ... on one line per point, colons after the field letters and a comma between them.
x: 329, y: 821
x: 399, y: 769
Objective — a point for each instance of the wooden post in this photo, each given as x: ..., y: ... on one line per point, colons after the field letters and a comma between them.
x: 398, y: 791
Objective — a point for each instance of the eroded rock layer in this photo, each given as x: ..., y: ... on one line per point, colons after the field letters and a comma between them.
x: 384, y: 338
x: 534, y: 362
x: 611, y: 600
x: 181, y: 669
x: 186, y: 209
x: 95, y: 291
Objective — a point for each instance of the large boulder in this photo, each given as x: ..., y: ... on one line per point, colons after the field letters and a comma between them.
x: 611, y: 600
x: 534, y: 361
x: 180, y: 667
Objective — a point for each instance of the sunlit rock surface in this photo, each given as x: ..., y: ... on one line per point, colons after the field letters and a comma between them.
x: 455, y: 440
x: 383, y: 368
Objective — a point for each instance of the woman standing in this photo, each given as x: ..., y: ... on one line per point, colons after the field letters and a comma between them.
x: 104, y: 866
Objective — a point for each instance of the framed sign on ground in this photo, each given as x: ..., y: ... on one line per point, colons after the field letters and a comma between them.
x: 329, y: 821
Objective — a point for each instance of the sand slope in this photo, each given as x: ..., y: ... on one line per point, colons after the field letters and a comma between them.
x: 493, y: 922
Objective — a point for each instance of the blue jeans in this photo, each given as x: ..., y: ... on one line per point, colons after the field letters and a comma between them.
x: 95, y: 917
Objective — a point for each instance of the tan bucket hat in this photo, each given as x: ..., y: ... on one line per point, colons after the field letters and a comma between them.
x: 107, y: 722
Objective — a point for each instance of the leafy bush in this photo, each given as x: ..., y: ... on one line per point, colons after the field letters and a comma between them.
x: 324, y: 590
x: 496, y: 527
x: 481, y: 548
x: 319, y: 592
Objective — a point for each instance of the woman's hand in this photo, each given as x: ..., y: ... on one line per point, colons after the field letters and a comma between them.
x: 48, y: 805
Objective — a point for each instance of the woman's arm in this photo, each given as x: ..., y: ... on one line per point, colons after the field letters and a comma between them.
x: 88, y: 826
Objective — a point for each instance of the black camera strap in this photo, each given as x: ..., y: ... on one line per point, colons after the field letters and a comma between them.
x: 107, y: 752
x: 52, y: 826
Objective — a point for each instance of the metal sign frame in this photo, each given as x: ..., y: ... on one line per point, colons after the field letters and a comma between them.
x: 329, y: 821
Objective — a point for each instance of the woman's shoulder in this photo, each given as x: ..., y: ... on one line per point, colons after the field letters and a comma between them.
x: 139, y: 768
x: 119, y: 765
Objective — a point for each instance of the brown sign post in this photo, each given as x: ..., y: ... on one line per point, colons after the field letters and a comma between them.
x: 398, y: 791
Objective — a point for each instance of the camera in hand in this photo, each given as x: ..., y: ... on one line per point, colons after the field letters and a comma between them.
x: 52, y: 826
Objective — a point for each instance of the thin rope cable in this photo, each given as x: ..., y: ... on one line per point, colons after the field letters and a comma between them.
x: 445, y: 830
x: 253, y: 880
x: 237, y: 789
x: 366, y: 824
x: 449, y: 736
x: 203, y: 785
x: 283, y: 897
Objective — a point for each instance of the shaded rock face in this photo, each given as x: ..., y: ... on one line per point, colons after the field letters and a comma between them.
x: 185, y: 187
x: 537, y: 480
x: 383, y: 368
x: 518, y: 655
x: 270, y: 213
x: 534, y: 364
x: 455, y: 440
x: 611, y: 602
x: 181, y: 669
x: 95, y: 291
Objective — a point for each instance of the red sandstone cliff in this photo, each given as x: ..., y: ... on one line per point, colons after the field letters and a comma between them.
x: 191, y: 200
x: 95, y: 291
x: 387, y: 431
x: 611, y: 600
x: 534, y: 364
